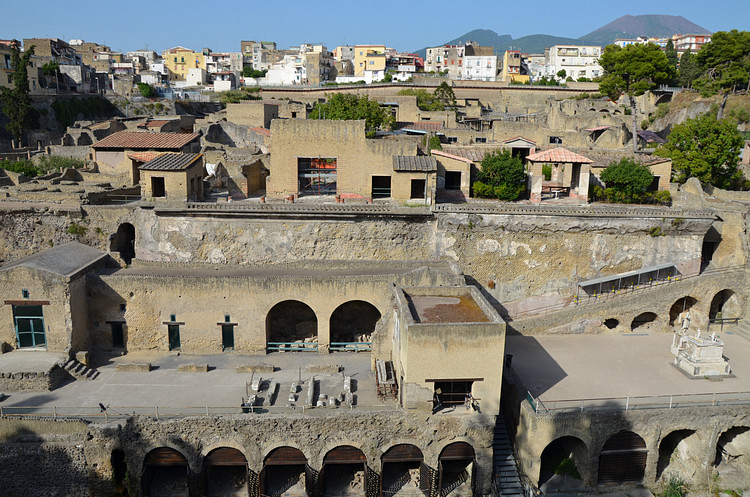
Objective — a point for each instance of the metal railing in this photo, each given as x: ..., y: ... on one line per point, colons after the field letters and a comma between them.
x: 117, y: 413
x: 639, y: 403
x: 293, y: 346
x: 350, y: 346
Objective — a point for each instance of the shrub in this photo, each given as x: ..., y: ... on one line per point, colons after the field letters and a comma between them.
x: 25, y: 167
x: 434, y: 143
x: 547, y: 172
x: 628, y: 179
x: 76, y: 229
x: 502, y: 176
x: 663, y: 197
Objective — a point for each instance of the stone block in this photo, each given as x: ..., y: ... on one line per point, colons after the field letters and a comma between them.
x: 193, y: 368
x: 324, y: 368
x: 134, y: 367
x: 82, y: 356
x: 255, y: 368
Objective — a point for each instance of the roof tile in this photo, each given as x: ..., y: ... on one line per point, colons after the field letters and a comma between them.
x: 558, y: 155
x: 146, y: 140
x: 171, y: 162
x: 423, y: 163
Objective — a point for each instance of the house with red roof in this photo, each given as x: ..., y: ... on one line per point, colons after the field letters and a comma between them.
x: 121, y: 154
x: 568, y: 177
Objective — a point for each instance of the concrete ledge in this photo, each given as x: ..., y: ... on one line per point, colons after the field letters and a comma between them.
x: 134, y: 367
x: 193, y: 368
x: 255, y: 368
x: 324, y: 368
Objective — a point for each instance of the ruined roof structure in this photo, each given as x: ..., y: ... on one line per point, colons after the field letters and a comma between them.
x: 63, y: 260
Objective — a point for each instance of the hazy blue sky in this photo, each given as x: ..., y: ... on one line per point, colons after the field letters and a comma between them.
x: 405, y: 25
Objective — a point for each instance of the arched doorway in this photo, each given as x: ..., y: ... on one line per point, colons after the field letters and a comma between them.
x: 165, y: 473
x: 124, y: 242
x: 285, y: 472
x: 352, y: 323
x: 623, y: 458
x: 225, y: 472
x: 292, y: 325
x: 560, y: 461
x: 642, y: 322
x: 344, y: 472
x: 732, y: 446
x: 725, y: 304
x: 456, y: 469
x: 679, y: 455
x: 402, y: 472
x: 680, y: 306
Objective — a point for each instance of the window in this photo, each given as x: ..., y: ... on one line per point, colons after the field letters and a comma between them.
x: 182, y: 59
x: 555, y: 140
x: 452, y: 180
x: 175, y: 59
x: 123, y: 307
x: 381, y: 187
x: 29, y: 322
x: 25, y: 293
x: 452, y: 139
x: 480, y: 140
x: 157, y: 187
x: 418, y: 188
x: 118, y: 337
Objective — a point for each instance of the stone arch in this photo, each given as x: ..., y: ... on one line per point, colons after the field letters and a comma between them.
x: 344, y: 470
x: 84, y: 139
x: 611, y: 323
x: 285, y: 469
x: 643, y: 320
x: 725, y: 304
x: 732, y: 449
x: 291, y: 322
x: 353, y: 321
x: 455, y: 468
x: 623, y: 458
x: 124, y: 242
x: 679, y: 454
x: 562, y: 458
x: 681, y: 305
x: 225, y: 472
x: 400, y: 469
x: 165, y: 470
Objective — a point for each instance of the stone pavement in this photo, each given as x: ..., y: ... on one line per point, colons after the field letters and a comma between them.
x: 565, y: 367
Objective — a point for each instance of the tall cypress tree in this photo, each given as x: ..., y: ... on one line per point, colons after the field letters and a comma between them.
x: 16, y: 100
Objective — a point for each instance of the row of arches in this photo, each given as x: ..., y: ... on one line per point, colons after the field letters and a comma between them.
x: 286, y: 472
x: 725, y: 303
x: 624, y: 455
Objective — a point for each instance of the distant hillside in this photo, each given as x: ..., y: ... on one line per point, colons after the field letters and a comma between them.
x: 646, y: 25
x: 624, y: 27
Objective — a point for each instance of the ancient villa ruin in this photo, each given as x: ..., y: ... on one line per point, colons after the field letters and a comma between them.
x: 172, y: 328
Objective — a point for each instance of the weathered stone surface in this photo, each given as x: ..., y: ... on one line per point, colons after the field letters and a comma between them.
x: 134, y: 367
x: 193, y: 368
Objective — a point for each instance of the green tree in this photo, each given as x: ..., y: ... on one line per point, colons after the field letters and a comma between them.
x: 147, y: 90
x: 502, y: 176
x: 705, y: 148
x: 562, y: 74
x: 671, y: 54
x: 628, y: 179
x: 249, y: 72
x: 16, y: 100
x: 444, y: 94
x: 633, y: 71
x: 425, y: 99
x: 52, y: 69
x: 689, y: 69
x: 724, y: 64
x: 348, y: 106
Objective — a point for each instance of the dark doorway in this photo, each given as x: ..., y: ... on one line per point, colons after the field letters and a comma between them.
x: 173, y: 330
x: 623, y: 459
x: 285, y: 473
x: 402, y: 466
x: 381, y: 187
x: 226, y: 473
x: 562, y: 457
x: 680, y: 306
x: 343, y: 472
x: 317, y: 176
x: 157, y: 187
x: 353, y: 322
x: 455, y: 468
x: 227, y: 337
x: 452, y: 180
x: 725, y: 304
x: 165, y: 473
x: 118, y: 335
x: 124, y: 242
x: 418, y: 188
x: 711, y: 241
x: 292, y: 325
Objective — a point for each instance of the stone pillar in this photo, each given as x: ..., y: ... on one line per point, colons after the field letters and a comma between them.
x: 535, y: 195
x: 583, y: 183
x: 324, y: 332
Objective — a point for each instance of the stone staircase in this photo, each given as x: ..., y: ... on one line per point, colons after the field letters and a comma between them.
x: 506, y: 480
x: 79, y: 371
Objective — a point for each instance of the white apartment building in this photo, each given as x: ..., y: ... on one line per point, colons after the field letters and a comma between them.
x: 480, y: 67
x: 579, y: 61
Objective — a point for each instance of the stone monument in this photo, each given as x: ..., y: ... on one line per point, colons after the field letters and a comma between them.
x: 699, y: 356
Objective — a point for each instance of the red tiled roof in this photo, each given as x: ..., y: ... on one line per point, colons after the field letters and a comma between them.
x: 157, y: 123
x: 146, y: 140
x: 519, y: 137
x: 144, y: 156
x: 558, y: 155
x: 260, y: 131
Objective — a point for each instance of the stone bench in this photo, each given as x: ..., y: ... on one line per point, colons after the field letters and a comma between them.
x: 324, y: 368
x: 134, y: 367
x: 193, y: 368
x: 255, y: 368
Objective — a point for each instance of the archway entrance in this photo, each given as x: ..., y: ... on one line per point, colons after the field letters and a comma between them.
x: 124, y: 242
x: 291, y: 325
x: 344, y: 472
x: 165, y: 473
x: 733, y: 457
x: 402, y: 472
x: 725, y: 305
x: 643, y: 321
x: 679, y: 454
x: 456, y: 469
x: 285, y: 472
x: 352, y: 324
x: 226, y: 473
x: 560, y: 461
x: 680, y: 306
x: 623, y: 459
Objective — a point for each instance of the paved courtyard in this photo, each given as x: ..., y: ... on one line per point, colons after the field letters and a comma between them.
x: 566, y: 367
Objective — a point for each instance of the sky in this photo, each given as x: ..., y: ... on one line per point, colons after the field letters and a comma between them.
x: 406, y: 25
